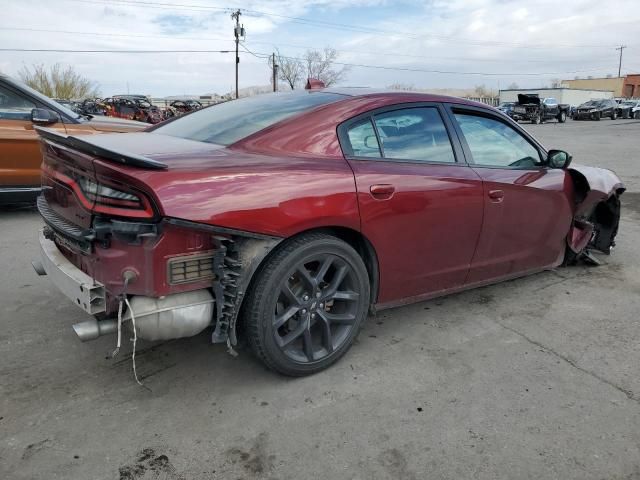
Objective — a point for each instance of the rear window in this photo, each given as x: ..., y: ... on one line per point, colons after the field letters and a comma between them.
x: 228, y: 122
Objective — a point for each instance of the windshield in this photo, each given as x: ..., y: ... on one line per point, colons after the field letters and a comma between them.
x: 506, y: 105
x: 226, y: 123
x: 46, y: 100
x: 629, y: 104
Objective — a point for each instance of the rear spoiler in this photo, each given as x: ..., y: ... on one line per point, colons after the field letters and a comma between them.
x: 85, y: 145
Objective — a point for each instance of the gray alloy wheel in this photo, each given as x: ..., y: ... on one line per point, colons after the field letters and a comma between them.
x: 307, y: 304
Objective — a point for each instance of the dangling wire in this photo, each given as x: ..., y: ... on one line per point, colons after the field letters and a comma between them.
x: 115, y: 352
x: 135, y: 340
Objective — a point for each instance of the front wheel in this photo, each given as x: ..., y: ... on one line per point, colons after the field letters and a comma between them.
x: 562, y: 117
x: 307, y: 304
x: 614, y: 115
x: 536, y: 120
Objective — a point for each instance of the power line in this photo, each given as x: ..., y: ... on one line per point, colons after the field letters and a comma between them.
x: 422, y: 70
x: 57, y: 50
x: 223, y: 39
x: 333, y: 25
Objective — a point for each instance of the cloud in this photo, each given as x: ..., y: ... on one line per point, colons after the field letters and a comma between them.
x: 490, y: 36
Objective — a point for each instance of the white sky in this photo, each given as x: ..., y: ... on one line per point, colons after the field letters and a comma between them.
x: 526, y: 42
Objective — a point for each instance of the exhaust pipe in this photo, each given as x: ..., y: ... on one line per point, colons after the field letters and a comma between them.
x: 92, y: 329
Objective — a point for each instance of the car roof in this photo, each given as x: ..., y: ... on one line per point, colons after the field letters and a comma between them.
x: 400, y: 95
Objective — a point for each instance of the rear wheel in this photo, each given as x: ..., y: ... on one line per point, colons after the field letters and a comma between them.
x: 614, y: 114
x: 537, y: 119
x: 562, y: 117
x: 307, y: 304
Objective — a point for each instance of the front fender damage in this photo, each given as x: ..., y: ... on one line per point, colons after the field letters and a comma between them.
x: 597, y: 211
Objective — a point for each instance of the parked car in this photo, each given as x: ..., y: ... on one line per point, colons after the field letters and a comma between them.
x: 530, y: 107
x: 185, y: 106
x: 22, y: 108
x: 632, y: 107
x: 138, y: 109
x: 295, y: 214
x: 623, y: 109
x: 597, y: 109
x: 507, y: 108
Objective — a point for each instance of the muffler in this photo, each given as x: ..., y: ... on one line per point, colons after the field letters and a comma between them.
x: 174, y: 316
x: 92, y: 329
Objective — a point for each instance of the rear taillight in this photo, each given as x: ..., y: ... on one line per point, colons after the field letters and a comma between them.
x: 104, y: 196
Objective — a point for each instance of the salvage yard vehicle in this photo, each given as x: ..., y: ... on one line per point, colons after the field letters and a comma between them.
x: 633, y: 107
x: 530, y: 107
x: 597, y: 109
x: 22, y: 108
x: 185, y: 106
x: 139, y: 109
x: 294, y: 215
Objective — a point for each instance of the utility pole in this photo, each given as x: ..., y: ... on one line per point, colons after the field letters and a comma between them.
x: 621, y: 47
x: 238, y: 32
x: 274, y: 66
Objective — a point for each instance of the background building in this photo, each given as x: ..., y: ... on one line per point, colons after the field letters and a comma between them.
x: 628, y: 86
x: 571, y: 96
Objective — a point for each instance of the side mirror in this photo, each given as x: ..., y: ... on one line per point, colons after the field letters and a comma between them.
x: 558, y: 159
x: 43, y: 116
x: 370, y: 141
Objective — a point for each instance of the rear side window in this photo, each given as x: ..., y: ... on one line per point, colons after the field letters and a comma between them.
x: 413, y: 134
x: 229, y: 122
x: 363, y: 140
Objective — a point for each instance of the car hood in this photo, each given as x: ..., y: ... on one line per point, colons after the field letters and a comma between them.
x: 523, y: 99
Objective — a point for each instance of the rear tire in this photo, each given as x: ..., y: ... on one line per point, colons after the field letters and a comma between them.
x: 536, y: 120
x: 614, y: 115
x: 562, y: 117
x: 307, y: 304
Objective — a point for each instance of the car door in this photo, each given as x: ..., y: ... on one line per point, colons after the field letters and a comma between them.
x: 551, y: 109
x: 527, y: 206
x: 19, y: 149
x: 420, y: 203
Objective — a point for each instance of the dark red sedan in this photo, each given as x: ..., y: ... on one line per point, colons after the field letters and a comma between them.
x: 289, y: 217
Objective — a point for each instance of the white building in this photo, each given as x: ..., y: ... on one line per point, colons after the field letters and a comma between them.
x: 571, y: 96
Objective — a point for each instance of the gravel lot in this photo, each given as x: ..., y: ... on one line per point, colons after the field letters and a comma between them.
x: 535, y: 378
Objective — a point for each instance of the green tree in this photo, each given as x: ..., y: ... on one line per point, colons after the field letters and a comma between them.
x: 58, y: 82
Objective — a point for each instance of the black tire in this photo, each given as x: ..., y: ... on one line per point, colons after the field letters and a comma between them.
x: 614, y: 114
x: 562, y: 117
x: 536, y: 120
x: 597, y: 116
x: 303, y: 343
x: 636, y: 115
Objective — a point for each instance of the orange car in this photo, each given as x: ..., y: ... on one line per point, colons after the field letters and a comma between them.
x: 21, y: 108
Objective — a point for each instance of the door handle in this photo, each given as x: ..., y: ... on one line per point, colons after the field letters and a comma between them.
x: 496, y: 195
x: 382, y: 191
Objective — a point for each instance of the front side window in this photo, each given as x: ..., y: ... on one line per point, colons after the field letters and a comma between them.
x: 495, y: 144
x: 13, y: 106
x: 414, y: 134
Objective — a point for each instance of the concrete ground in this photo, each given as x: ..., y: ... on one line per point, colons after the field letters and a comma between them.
x: 535, y: 378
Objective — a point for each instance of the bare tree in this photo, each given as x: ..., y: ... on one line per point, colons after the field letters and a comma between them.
x: 402, y: 86
x: 319, y: 65
x: 58, y: 82
x: 290, y: 70
x: 556, y: 83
